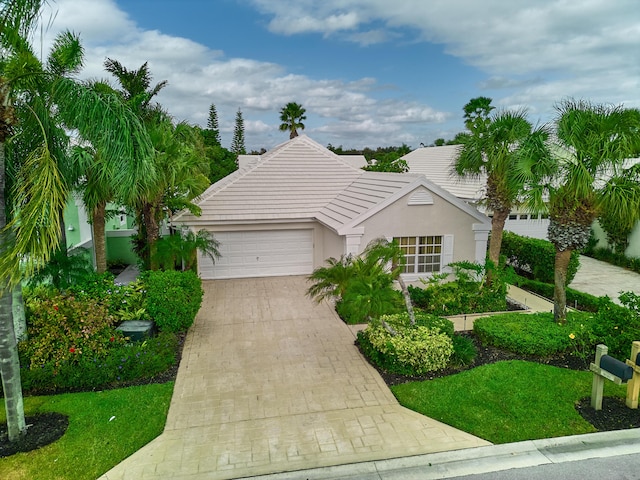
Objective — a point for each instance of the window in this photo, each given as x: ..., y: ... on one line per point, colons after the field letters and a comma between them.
x: 421, y: 254
x: 513, y: 216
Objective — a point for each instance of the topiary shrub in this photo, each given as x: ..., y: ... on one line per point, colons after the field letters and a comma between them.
x: 535, y: 256
x: 414, y: 350
x: 173, y: 298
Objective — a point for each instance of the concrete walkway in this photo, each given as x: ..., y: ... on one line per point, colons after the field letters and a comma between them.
x: 271, y: 382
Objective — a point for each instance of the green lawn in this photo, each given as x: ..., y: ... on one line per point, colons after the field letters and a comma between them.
x: 94, y: 442
x: 507, y: 401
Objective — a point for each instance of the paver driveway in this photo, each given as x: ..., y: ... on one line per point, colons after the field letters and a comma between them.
x: 270, y: 382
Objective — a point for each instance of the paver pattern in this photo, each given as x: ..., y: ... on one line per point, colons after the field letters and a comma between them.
x: 272, y: 382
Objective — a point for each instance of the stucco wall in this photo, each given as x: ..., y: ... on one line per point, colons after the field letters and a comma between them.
x: 633, y: 250
x: 441, y: 218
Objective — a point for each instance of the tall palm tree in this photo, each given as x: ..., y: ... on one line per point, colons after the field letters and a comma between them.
x: 182, y: 168
x: 594, y: 141
x: 291, y: 116
x: 54, y: 100
x: 496, y: 149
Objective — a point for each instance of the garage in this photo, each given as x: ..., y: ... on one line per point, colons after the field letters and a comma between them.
x: 260, y: 253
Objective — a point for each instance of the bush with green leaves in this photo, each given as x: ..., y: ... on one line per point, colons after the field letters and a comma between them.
x: 173, y: 298
x: 122, y: 363
x: 575, y: 299
x: 62, y: 328
x: 532, y: 334
x: 468, y: 293
x: 125, y: 302
x: 411, y: 350
x: 617, y: 326
x: 535, y: 256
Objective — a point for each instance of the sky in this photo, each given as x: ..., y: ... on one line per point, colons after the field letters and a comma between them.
x: 370, y: 73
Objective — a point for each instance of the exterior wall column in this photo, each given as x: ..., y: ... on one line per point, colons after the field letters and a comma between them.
x: 352, y: 244
x: 481, y: 231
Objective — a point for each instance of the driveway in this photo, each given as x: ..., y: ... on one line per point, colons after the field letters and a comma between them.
x: 600, y: 278
x: 271, y: 382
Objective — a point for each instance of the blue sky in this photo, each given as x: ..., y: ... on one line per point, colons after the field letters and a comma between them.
x: 369, y: 72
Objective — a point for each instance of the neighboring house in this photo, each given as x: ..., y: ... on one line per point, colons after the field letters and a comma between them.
x: 285, y: 212
x: 119, y: 230
x: 436, y: 163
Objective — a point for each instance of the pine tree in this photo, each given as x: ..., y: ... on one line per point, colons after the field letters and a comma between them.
x: 237, y: 146
x: 212, y: 133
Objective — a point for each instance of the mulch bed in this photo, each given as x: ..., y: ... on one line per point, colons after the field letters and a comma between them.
x: 614, y: 414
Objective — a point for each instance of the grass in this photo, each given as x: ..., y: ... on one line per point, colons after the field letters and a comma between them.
x: 508, y: 401
x: 94, y: 442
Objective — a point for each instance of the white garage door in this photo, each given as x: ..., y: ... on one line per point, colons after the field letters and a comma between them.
x: 260, y: 254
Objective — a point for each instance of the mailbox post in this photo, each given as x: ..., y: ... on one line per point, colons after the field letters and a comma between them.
x: 633, y: 387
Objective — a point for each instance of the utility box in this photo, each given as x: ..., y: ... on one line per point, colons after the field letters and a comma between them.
x: 137, y: 330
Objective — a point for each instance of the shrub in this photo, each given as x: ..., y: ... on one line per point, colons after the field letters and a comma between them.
x: 535, y: 334
x: 617, y: 327
x: 464, y: 351
x: 468, y: 293
x: 173, y: 298
x: 123, y: 363
x: 414, y: 350
x: 64, y: 328
x: 125, y: 302
x: 535, y: 256
x: 575, y: 299
x: 619, y: 259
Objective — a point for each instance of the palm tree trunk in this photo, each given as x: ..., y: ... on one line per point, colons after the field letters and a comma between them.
x: 19, y: 315
x: 152, y: 228
x: 497, y: 229
x: 495, y: 241
x: 9, y: 362
x: 407, y: 300
x: 99, y: 239
x: 560, y: 289
x: 10, y: 370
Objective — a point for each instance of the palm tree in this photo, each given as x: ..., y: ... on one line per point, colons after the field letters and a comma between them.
x: 497, y: 148
x: 47, y: 98
x: 594, y: 141
x: 291, y: 116
x: 179, y: 250
x: 182, y: 170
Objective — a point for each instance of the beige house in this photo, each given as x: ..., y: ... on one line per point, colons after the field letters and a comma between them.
x: 286, y: 211
x: 436, y: 163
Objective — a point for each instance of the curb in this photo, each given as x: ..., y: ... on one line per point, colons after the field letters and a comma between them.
x: 479, y: 460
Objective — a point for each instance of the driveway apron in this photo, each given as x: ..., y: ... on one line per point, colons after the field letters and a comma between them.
x: 272, y: 382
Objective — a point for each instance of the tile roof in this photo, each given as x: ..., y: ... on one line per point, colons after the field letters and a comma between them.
x: 302, y: 180
x: 436, y: 163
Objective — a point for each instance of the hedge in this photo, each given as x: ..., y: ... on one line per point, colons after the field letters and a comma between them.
x: 535, y: 256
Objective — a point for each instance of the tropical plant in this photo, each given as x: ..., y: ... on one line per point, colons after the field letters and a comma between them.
x: 237, y: 146
x: 178, y: 251
x: 362, y: 285
x: 37, y: 103
x: 291, y: 116
x: 594, y: 141
x: 494, y: 148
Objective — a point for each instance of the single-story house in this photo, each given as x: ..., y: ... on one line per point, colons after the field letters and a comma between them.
x: 288, y: 210
x: 436, y: 163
